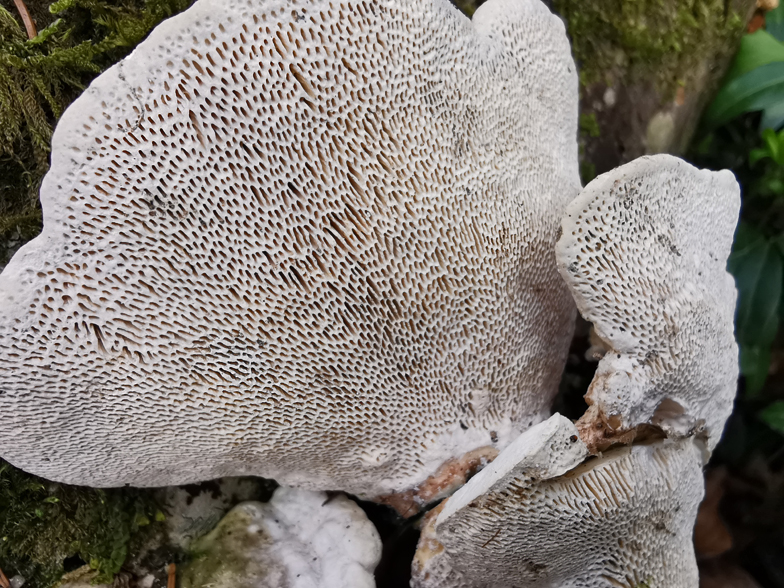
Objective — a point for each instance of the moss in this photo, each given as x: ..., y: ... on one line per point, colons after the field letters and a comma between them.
x: 23, y: 226
x: 229, y: 555
x: 589, y: 125
x: 587, y: 172
x: 42, y: 524
x: 40, y: 77
x: 467, y: 7
x: 82, y: 576
x: 662, y: 40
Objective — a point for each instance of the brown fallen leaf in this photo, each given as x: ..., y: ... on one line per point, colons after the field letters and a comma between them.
x: 756, y: 23
x: 723, y: 574
x: 711, y: 535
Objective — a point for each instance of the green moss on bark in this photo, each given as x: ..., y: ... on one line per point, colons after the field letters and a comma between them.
x: 43, y: 523
x: 589, y: 125
x: 40, y: 77
x: 663, y: 40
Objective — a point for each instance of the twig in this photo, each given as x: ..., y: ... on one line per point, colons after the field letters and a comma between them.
x: 28, y: 22
x: 172, y: 576
x: 4, y: 583
x: 491, y: 539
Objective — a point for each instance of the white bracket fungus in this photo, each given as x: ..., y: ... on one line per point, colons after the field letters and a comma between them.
x: 538, y: 517
x: 644, y: 250
x: 300, y: 539
x: 308, y: 240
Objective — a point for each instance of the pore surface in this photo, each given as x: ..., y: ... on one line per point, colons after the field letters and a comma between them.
x: 541, y: 516
x: 644, y: 250
x: 304, y: 240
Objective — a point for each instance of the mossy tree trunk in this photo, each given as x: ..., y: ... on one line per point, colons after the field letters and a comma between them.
x: 40, y: 77
x: 647, y: 68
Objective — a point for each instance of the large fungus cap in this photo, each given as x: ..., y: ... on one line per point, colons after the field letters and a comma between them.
x: 622, y: 520
x: 309, y: 240
x: 644, y: 250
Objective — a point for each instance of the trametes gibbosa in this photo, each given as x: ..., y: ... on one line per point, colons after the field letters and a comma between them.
x: 643, y: 249
x: 314, y: 241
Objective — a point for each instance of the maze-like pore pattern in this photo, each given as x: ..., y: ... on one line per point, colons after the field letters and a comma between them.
x: 308, y: 240
x: 622, y: 520
x: 644, y: 250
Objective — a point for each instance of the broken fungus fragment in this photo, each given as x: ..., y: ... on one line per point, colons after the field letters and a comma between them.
x: 300, y: 539
x: 644, y: 250
x: 622, y: 520
x: 432, y: 567
x: 307, y: 240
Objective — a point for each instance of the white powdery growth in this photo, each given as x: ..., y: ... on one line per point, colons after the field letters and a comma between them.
x: 644, y: 250
x: 620, y: 520
x: 308, y: 240
x: 300, y: 539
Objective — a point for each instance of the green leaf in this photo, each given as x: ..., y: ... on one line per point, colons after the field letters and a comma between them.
x: 756, y: 155
x: 774, y: 22
x: 774, y: 145
x: 758, y: 89
x: 773, y: 117
x: 773, y: 186
x: 758, y: 267
x: 778, y: 152
x: 755, y: 366
x: 756, y: 50
x: 771, y: 141
x: 773, y: 415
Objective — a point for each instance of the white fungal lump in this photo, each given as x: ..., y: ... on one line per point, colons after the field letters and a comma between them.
x: 308, y: 240
x: 299, y: 539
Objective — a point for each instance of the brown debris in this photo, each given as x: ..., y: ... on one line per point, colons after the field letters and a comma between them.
x: 600, y: 433
x: 450, y: 476
x: 172, y: 570
x: 32, y: 33
x: 756, y: 23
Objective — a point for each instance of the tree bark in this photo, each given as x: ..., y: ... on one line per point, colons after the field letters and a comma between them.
x: 647, y: 68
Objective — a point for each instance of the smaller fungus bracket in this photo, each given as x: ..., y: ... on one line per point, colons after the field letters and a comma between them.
x: 622, y: 519
x: 644, y: 251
